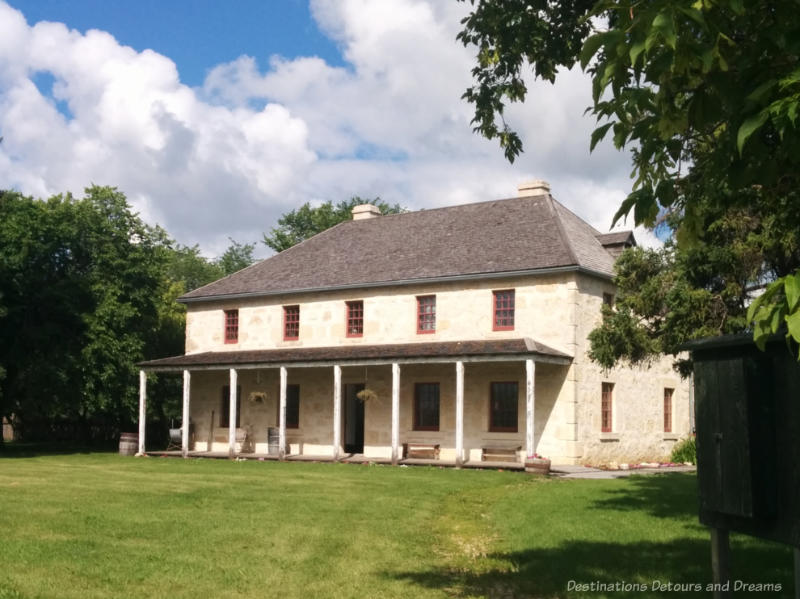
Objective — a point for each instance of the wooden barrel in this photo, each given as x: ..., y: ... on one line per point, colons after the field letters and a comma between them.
x: 273, y: 440
x: 128, y: 443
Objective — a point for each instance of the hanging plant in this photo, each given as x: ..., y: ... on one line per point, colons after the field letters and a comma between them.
x: 258, y: 396
x: 366, y: 395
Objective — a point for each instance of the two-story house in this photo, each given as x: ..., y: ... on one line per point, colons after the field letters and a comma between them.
x: 457, y: 331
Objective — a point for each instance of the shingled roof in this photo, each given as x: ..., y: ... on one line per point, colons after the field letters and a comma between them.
x: 516, y: 235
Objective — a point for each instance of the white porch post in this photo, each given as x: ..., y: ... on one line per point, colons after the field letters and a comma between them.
x: 395, y: 411
x: 530, y: 373
x: 282, y: 415
x: 337, y: 410
x: 232, y: 413
x: 459, y: 413
x: 187, y: 385
x: 142, y: 409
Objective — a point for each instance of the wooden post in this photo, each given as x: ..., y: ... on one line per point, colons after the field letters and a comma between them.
x: 337, y: 410
x: 720, y: 562
x: 234, y: 378
x: 796, y: 573
x: 187, y: 385
x: 395, y: 411
x: 530, y: 374
x: 459, y: 414
x: 142, y: 410
x: 282, y: 415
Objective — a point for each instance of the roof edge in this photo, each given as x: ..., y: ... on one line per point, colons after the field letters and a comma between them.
x: 402, y: 282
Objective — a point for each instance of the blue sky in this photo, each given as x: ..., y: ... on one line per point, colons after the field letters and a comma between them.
x: 216, y: 118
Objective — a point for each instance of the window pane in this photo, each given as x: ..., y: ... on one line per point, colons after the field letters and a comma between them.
x: 426, y: 406
x: 504, y: 310
x: 607, y: 403
x: 503, y: 407
x: 291, y: 322
x: 231, y: 326
x: 355, y: 318
x: 668, y: 410
x: 426, y: 314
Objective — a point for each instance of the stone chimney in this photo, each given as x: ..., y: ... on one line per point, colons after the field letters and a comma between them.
x: 533, y: 188
x: 363, y: 211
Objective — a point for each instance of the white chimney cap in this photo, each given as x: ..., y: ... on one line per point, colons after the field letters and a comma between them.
x: 363, y: 211
x: 533, y: 188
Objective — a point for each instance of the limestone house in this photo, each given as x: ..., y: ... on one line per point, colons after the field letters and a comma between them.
x: 455, y: 334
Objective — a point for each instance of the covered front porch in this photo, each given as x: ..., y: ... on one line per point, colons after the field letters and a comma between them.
x: 470, y: 404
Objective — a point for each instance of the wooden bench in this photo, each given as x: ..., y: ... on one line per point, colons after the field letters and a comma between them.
x: 421, y: 451
x: 241, y: 435
x: 500, y: 454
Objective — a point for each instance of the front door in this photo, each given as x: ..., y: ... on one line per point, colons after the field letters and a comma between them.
x: 353, y: 419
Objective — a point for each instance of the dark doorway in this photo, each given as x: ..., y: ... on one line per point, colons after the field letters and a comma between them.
x: 353, y: 419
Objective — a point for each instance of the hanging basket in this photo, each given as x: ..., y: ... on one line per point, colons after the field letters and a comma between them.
x: 366, y: 395
x: 258, y: 396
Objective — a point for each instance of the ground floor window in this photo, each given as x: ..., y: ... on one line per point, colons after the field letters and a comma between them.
x: 606, y: 408
x: 503, y: 407
x: 668, y: 410
x: 225, y: 407
x: 426, y: 407
x: 292, y: 406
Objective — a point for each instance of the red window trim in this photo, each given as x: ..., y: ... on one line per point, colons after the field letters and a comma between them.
x: 287, y: 322
x: 351, y: 318
x: 668, y: 394
x: 422, y: 316
x: 231, y: 326
x: 415, y: 422
x: 502, y: 429
x: 506, y: 309
x: 607, y: 408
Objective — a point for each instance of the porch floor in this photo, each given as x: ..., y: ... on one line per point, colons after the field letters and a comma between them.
x: 351, y: 458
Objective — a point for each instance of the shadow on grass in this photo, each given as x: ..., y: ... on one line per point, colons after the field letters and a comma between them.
x: 31, y: 450
x: 652, y: 566
x: 668, y: 495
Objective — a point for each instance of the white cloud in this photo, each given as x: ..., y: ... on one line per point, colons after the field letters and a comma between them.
x: 257, y: 140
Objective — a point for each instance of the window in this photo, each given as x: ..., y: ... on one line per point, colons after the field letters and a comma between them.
x: 503, y: 407
x: 503, y: 310
x: 291, y: 322
x: 606, y: 407
x: 292, y: 406
x: 231, y: 326
x: 225, y: 407
x: 608, y: 300
x: 426, y: 407
x: 426, y: 314
x: 355, y: 318
x: 668, y: 410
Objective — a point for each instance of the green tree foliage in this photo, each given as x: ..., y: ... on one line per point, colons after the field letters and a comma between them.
x: 236, y: 257
x: 705, y: 94
x: 81, y: 280
x: 688, y: 291
x: 306, y: 221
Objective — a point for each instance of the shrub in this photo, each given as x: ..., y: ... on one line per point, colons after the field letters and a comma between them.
x: 685, y: 451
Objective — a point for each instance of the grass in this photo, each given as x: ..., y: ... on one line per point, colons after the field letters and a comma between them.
x: 99, y: 525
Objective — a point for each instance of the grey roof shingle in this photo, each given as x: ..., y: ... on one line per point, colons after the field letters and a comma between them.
x: 345, y: 353
x: 501, y: 236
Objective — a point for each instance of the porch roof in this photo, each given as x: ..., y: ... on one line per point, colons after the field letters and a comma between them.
x: 347, y: 355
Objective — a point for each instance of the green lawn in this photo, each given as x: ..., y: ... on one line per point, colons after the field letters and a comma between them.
x: 88, y: 525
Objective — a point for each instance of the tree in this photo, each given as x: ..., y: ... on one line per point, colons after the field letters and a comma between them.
x: 236, y: 257
x: 306, y: 221
x: 705, y: 93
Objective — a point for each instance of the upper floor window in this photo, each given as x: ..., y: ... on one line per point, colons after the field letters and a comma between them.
x: 291, y: 322
x: 668, y: 409
x: 355, y: 318
x: 503, y: 407
x: 607, y: 408
x: 426, y: 407
x: 292, y: 406
x: 503, y: 310
x: 231, y: 326
x: 426, y: 314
